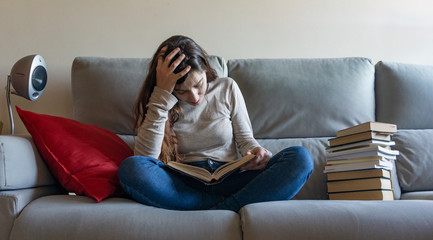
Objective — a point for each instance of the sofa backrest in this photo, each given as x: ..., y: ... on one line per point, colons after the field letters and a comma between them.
x: 292, y: 98
x: 104, y: 90
x: 404, y: 95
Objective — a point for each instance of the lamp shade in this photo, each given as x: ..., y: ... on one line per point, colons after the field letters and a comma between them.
x: 29, y: 76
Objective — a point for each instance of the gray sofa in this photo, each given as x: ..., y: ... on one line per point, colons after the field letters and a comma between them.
x: 290, y: 102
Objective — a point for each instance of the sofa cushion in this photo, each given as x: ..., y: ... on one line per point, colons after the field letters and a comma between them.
x: 104, y: 90
x: 419, y: 195
x: 21, y: 165
x: 84, y: 158
x: 310, y: 219
x: 404, y: 95
x: 296, y: 97
x: 77, y: 217
x: 415, y: 162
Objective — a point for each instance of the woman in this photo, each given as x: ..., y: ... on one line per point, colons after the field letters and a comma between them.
x: 186, y: 113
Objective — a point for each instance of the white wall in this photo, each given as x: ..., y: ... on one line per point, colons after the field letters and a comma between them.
x: 393, y: 30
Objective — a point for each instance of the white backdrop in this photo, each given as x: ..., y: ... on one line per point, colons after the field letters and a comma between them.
x: 392, y: 30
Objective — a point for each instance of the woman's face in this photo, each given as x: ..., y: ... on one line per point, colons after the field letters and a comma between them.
x: 193, y: 89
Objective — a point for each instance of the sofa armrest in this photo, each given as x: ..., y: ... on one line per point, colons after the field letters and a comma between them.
x: 21, y: 165
x: 12, y: 203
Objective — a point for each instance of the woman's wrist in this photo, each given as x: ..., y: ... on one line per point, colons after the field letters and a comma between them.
x: 163, y: 97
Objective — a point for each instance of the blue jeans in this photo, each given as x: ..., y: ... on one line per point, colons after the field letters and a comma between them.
x: 149, y: 181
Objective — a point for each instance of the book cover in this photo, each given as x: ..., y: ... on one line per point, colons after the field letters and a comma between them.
x: 356, y: 160
x: 358, y: 166
x: 370, y: 135
x: 368, y: 126
x: 359, y: 174
x: 361, y: 150
x: 363, y: 195
x: 366, y: 143
x: 373, y: 153
x: 204, y: 175
x: 359, y: 185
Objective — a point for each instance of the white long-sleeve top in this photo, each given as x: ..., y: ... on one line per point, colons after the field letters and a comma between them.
x: 213, y: 129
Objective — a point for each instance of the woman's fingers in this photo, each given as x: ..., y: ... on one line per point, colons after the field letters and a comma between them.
x: 176, y: 62
x: 170, y: 56
x: 165, y: 76
x: 164, y: 63
x: 183, y: 72
x: 259, y: 162
x: 161, y: 55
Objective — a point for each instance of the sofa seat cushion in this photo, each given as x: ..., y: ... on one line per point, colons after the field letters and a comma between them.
x: 318, y: 219
x: 78, y: 217
x: 419, y: 195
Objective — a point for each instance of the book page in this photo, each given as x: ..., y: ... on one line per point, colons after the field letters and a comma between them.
x: 194, y: 171
x: 228, y: 167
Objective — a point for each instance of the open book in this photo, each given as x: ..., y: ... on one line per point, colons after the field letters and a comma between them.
x: 207, y: 177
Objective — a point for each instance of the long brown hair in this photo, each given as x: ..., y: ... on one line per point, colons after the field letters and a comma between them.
x: 195, y: 57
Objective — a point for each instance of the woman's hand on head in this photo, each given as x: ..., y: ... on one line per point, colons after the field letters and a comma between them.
x: 262, y: 158
x: 165, y: 77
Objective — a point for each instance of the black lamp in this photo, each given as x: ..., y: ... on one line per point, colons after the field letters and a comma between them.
x: 29, y: 78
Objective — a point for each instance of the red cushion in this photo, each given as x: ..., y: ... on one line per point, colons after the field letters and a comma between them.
x: 84, y: 158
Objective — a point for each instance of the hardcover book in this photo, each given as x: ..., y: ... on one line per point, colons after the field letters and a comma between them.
x: 359, y: 137
x: 359, y: 185
x: 372, y: 153
x: 359, y: 174
x: 372, y: 164
x: 362, y: 150
x: 363, y: 195
x: 368, y: 126
x: 366, y: 143
x: 357, y: 160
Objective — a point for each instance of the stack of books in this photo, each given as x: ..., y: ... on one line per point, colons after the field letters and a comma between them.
x: 359, y: 161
